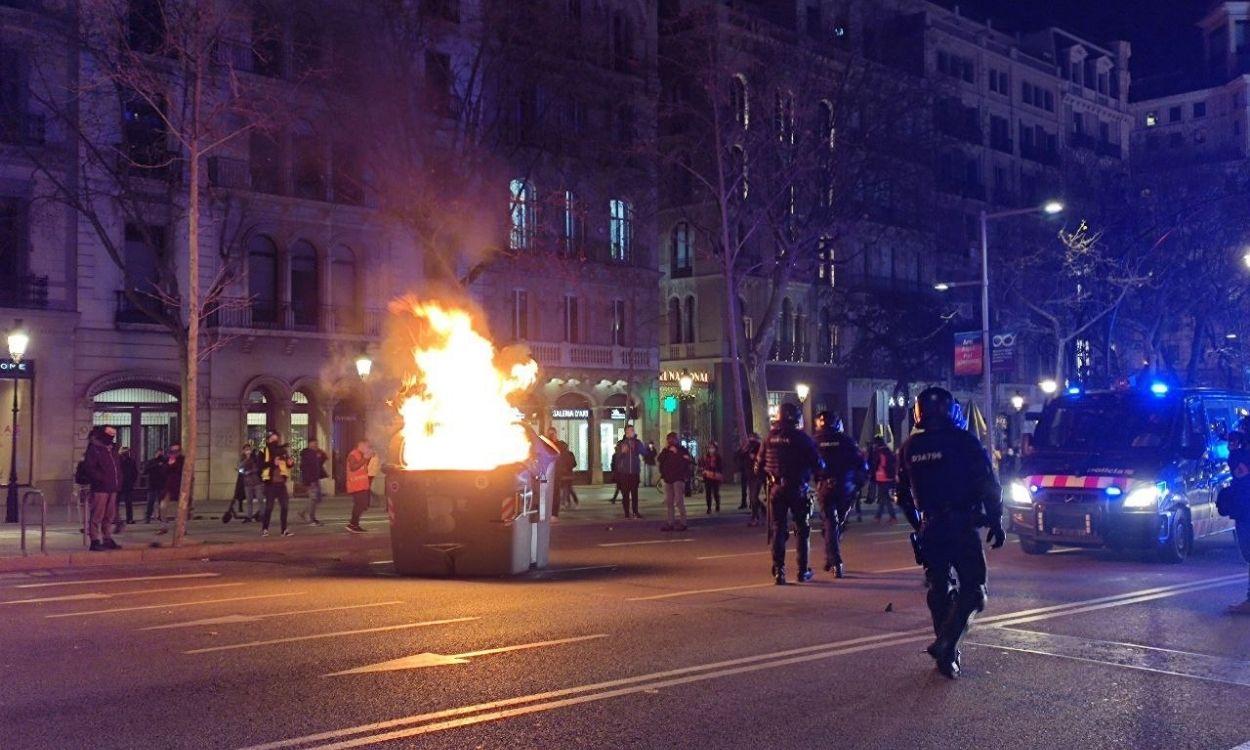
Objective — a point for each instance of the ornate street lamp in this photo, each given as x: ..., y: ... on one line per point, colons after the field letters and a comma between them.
x: 18, y: 341
x: 364, y: 366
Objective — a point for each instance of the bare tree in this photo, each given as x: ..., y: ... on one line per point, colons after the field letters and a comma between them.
x: 159, y: 93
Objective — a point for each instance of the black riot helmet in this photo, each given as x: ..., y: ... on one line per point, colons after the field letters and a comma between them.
x: 788, y: 414
x: 831, y: 421
x: 936, y: 407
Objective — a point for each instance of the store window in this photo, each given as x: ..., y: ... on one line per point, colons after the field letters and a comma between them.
x: 571, y: 419
x: 612, y: 420
x: 259, y: 416
x: 146, y: 417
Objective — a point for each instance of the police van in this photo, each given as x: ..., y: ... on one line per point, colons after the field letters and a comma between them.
x: 1126, y: 469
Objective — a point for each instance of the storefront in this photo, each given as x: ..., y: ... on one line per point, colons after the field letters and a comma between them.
x: 686, y: 407
x: 613, y: 417
x: 146, y: 418
x: 571, y: 419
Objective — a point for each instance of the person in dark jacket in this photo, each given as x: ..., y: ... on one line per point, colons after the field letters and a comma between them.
x: 675, y: 463
x: 171, y: 490
x: 712, y: 468
x: 276, y: 464
x: 789, y: 458
x: 104, y: 472
x: 947, y: 490
x: 154, y: 471
x: 312, y: 461
x: 844, y: 470
x: 749, y: 479
x: 631, y: 453
x: 1234, y: 501
x: 130, y: 475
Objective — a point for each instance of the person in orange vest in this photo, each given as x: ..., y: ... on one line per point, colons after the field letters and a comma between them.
x: 358, y: 482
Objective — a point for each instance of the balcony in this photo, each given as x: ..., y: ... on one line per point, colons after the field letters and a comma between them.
x: 26, y: 292
x: 790, y: 352
x: 148, y: 161
x: 225, y: 172
x: 562, y: 354
x: 241, y: 313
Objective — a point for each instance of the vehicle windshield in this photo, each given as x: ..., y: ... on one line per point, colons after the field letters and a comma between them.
x: 1097, y: 423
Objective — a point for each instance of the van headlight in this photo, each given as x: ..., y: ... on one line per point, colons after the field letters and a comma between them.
x: 1144, y: 497
x: 1019, y: 494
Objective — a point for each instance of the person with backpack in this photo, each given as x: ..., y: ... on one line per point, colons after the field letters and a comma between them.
x: 884, y: 472
x: 103, y: 471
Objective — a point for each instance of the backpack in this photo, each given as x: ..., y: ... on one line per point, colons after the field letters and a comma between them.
x: 80, y: 473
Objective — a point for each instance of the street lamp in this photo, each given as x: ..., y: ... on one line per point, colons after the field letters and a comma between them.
x: 685, y: 381
x: 1017, y: 402
x: 802, y: 390
x: 1246, y: 258
x: 1049, y: 208
x: 1048, y: 386
x: 364, y: 366
x: 18, y: 341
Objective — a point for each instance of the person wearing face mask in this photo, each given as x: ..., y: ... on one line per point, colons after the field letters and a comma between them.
x: 171, y: 475
x: 276, y: 465
x: 104, y: 472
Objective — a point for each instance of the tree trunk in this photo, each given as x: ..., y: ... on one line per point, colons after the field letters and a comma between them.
x: 190, y: 394
x: 1060, y: 346
x: 734, y: 331
x: 757, y: 383
x: 1196, y: 349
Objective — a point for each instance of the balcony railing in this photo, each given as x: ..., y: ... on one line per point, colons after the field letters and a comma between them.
x: 790, y: 352
x: 241, y: 313
x: 26, y: 292
x: 229, y: 173
x: 561, y: 354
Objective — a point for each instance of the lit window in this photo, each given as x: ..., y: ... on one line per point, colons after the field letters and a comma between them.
x: 683, y: 248
x: 574, y: 229
x: 521, y: 211
x: 620, y: 228
x: 1152, y: 119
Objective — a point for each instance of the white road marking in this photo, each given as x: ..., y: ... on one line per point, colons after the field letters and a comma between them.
x: 898, y: 532
x: 648, y: 541
x: 899, y: 541
x: 676, y: 594
x: 485, y: 712
x: 92, y: 581
x: 1243, y: 746
x: 736, y: 554
x: 1064, y: 550
x: 335, y: 634
x: 1115, y: 654
x: 381, y: 562
x: 584, y: 567
x: 913, y: 566
x: 136, y: 592
x: 172, y: 606
x: 1161, y: 593
x: 427, y: 659
x: 239, y: 619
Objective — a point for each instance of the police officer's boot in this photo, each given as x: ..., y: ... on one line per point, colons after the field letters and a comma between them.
x: 805, y: 574
x: 779, y: 574
x: 839, y: 571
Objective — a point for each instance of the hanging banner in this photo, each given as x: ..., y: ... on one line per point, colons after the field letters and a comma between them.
x: 969, y: 354
x: 1003, y: 352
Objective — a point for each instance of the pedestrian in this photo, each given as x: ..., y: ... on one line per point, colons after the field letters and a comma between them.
x: 312, y: 461
x: 275, y: 470
x: 749, y: 479
x: 884, y: 466
x: 845, y: 469
x: 632, y: 455
x: 947, y: 491
x: 171, y: 489
x: 358, y: 483
x: 712, y: 468
x: 788, y: 458
x: 130, y: 476
x: 154, y: 472
x: 675, y: 464
x: 253, y: 488
x: 103, y: 471
x: 648, y: 466
x: 1234, y: 502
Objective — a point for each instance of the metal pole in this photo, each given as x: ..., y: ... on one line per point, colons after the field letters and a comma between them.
x: 10, y: 504
x: 985, y: 332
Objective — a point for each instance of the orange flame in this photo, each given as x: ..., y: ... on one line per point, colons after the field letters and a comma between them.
x: 455, y: 406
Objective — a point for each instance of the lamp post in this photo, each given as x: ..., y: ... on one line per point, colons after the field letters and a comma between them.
x: 1049, y: 208
x: 364, y: 366
x: 18, y: 341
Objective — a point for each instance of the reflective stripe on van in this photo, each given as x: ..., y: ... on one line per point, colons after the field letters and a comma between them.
x: 1066, y: 481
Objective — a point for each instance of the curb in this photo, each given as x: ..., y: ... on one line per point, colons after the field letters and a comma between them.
x: 191, y: 550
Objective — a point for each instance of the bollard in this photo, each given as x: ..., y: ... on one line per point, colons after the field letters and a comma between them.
x: 43, y: 519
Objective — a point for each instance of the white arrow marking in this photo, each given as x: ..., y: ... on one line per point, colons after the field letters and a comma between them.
x: 238, y: 619
x: 418, y: 661
x: 96, y: 595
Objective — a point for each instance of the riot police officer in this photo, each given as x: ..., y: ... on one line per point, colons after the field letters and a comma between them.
x: 844, y: 468
x: 788, y: 458
x: 947, y: 490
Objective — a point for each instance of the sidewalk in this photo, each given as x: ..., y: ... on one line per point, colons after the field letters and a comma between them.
x: 207, y: 536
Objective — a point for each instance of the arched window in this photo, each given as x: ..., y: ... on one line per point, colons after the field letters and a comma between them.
x: 827, y: 344
x: 305, y: 44
x: 260, y: 420
x: 738, y: 163
x: 344, y: 290
x: 740, y: 100
x: 826, y: 131
x: 690, y: 321
x: 305, y: 296
x: 674, y: 321
x: 521, y: 212
x: 144, y: 415
x: 683, y: 249
x: 826, y: 269
x: 783, y: 116
x: 620, y: 229
x: 262, y: 280
x: 303, y: 428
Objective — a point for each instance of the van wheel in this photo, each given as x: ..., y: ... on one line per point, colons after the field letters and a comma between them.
x: 1180, y: 541
x: 1033, y: 547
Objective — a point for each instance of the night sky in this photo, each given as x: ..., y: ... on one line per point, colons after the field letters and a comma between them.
x: 1161, y: 31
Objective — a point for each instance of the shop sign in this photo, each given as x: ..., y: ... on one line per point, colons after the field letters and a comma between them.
x: 20, y: 370
x: 570, y: 413
x: 674, y: 376
x: 617, y: 413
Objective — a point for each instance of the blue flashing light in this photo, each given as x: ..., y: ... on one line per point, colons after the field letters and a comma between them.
x: 1159, y: 389
x: 1114, y: 492
x: 1074, y: 390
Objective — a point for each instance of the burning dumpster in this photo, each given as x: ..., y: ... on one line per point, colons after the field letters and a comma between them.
x: 466, y: 498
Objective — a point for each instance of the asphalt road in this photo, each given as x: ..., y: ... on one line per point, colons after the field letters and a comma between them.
x: 632, y: 638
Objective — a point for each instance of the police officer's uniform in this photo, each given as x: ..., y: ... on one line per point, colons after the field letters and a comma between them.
x: 947, y: 490
x: 835, y: 491
x: 788, y: 457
